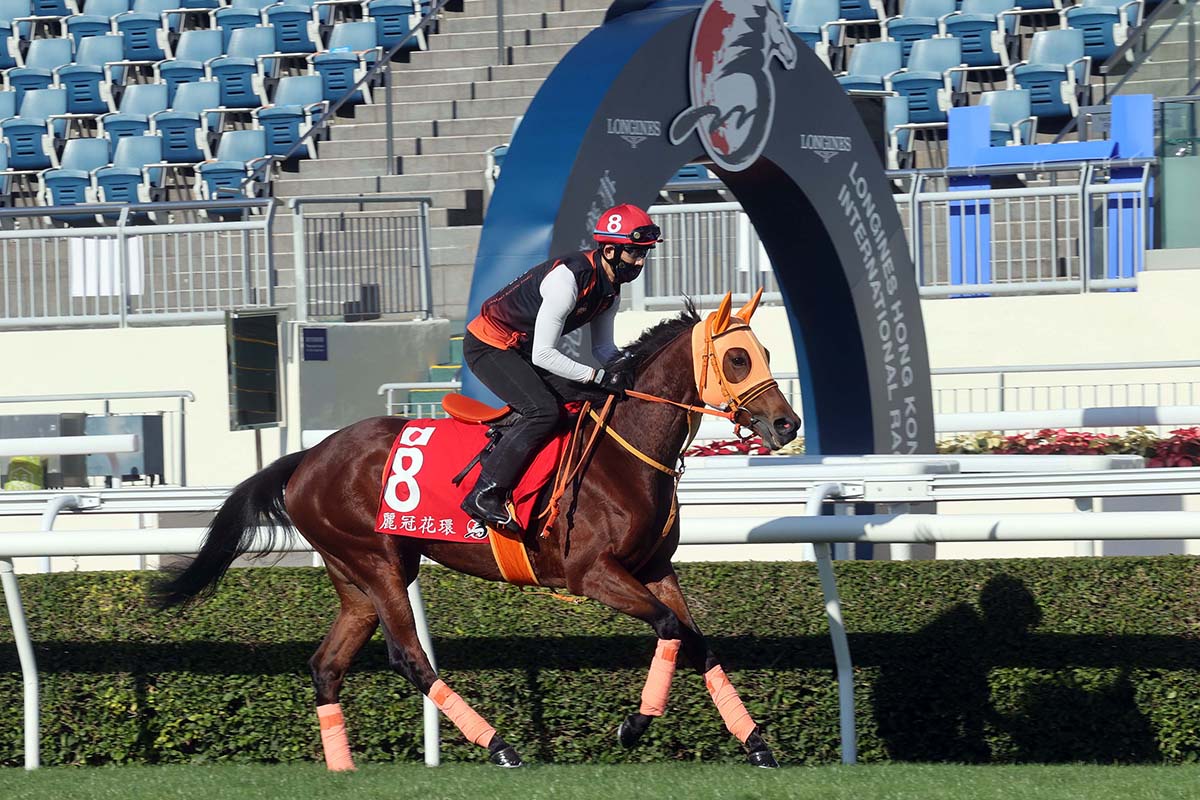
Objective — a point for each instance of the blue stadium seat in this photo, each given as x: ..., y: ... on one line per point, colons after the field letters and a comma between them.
x: 96, y: 19
x: 295, y: 26
x: 809, y: 20
x: 984, y: 30
x: 299, y: 101
x: 1056, y: 73
x: 71, y: 182
x: 44, y: 56
x: 88, y: 81
x: 6, y: 181
x: 927, y: 82
x: 233, y: 18
x: 177, y: 18
x: 30, y: 134
x: 8, y: 106
x: 128, y: 180
x: 190, y: 55
x: 241, y: 71
x: 1038, y: 5
x: 14, y: 32
x: 395, y: 19
x: 1105, y: 25
x: 353, y: 49
x: 186, y: 125
x: 9, y: 43
x: 920, y: 20
x: 53, y: 8
x: 145, y: 36
x: 870, y: 63
x: 238, y: 155
x: 862, y: 10
x: 1012, y: 120
x: 160, y: 8
x: 138, y: 103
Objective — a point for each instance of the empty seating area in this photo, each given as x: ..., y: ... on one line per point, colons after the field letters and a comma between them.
x: 1031, y: 61
x: 150, y: 100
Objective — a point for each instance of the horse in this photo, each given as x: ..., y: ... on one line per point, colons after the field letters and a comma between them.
x: 614, y: 544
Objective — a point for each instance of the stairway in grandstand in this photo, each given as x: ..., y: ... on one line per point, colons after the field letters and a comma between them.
x: 451, y: 104
x: 1165, y: 71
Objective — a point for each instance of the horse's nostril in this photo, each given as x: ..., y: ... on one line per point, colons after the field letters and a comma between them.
x: 784, y: 426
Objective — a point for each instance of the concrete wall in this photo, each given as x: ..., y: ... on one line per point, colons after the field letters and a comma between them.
x: 342, y: 390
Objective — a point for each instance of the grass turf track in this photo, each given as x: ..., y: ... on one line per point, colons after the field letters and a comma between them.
x: 659, y: 781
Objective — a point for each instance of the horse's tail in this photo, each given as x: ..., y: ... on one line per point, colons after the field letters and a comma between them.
x: 256, y: 501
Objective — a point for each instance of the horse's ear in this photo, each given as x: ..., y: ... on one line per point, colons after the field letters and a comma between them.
x: 747, y: 311
x: 720, y: 318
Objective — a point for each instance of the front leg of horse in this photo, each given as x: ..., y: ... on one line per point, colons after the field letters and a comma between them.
x: 663, y: 583
x: 660, y: 603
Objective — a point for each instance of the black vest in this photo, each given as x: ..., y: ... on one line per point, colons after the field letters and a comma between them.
x: 515, y: 307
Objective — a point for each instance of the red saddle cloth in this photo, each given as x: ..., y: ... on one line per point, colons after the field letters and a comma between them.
x: 418, y: 498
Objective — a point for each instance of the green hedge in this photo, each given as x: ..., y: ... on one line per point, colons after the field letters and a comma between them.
x: 1017, y: 660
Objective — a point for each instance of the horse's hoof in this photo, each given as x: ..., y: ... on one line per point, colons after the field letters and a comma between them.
x: 631, y: 729
x: 502, y: 754
x: 762, y: 758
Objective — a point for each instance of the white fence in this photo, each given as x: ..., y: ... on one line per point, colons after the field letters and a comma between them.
x: 896, y: 483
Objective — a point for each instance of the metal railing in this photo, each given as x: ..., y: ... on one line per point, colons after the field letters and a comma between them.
x: 957, y: 390
x: 707, y: 250
x: 355, y: 263
x: 1066, y: 229
x: 1075, y: 229
x: 817, y: 485
x: 127, y: 273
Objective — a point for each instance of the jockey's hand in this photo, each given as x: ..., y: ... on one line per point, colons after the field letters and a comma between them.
x: 614, y: 381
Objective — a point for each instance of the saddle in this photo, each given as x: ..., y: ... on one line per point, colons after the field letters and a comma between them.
x: 466, y: 409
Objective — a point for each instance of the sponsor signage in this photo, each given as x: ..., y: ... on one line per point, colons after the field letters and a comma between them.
x: 723, y: 82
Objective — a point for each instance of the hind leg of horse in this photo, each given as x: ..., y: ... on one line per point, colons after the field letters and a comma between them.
x: 406, y: 656
x: 354, y: 625
x: 660, y: 602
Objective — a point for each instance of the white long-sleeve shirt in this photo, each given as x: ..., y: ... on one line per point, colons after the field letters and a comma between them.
x: 559, y: 295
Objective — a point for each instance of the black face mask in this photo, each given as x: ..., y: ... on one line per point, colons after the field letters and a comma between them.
x: 623, y: 272
x: 626, y: 273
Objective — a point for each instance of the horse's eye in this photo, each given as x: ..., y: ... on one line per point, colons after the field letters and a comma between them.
x: 738, y: 361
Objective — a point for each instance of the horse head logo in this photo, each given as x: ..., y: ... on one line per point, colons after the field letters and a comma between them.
x: 732, y: 89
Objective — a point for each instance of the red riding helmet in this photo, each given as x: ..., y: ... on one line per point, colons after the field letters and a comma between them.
x: 626, y: 224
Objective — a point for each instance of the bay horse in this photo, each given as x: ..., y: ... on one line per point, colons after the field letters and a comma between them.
x: 614, y: 544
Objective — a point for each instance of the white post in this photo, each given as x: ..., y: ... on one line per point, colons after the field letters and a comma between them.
x: 837, y: 629
x: 433, y: 755
x: 1084, y: 547
x: 29, y: 676
x: 55, y: 505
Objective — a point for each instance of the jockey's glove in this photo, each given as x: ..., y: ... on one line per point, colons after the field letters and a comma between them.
x: 613, y: 381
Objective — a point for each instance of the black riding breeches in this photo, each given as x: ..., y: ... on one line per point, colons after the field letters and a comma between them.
x: 521, y: 385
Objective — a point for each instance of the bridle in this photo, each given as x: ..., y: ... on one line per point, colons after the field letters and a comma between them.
x: 712, y: 337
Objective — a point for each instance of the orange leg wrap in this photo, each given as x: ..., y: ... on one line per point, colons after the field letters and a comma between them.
x: 333, y: 737
x: 473, y: 726
x: 658, y: 682
x: 737, y: 718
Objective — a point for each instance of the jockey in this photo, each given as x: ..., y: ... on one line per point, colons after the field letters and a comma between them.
x: 511, y: 346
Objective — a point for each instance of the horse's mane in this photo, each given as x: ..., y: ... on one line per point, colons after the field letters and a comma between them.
x: 654, y: 339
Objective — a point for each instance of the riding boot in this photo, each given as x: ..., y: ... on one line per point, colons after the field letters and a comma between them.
x: 488, y: 503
